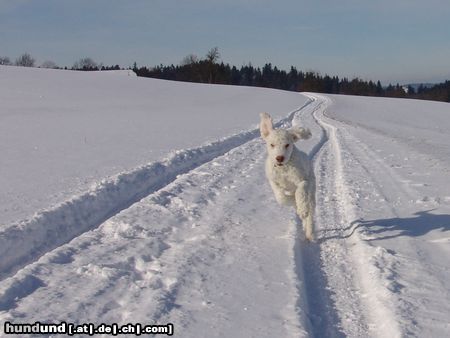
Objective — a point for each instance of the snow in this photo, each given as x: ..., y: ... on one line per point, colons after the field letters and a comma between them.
x: 151, y: 234
x: 63, y: 131
x: 397, y: 155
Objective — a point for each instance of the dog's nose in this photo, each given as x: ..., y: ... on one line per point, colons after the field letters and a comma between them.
x: 280, y: 158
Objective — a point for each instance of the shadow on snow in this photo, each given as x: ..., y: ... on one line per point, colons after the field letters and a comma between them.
x: 419, y: 224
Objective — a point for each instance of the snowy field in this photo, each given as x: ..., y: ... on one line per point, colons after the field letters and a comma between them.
x: 62, y: 131
x: 128, y: 200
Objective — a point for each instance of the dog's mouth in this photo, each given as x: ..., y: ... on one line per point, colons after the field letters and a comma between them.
x: 279, y: 164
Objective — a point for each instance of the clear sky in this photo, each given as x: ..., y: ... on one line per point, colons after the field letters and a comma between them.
x: 389, y: 40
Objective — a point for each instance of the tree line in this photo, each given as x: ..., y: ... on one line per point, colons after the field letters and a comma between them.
x: 84, y: 64
x: 211, y: 70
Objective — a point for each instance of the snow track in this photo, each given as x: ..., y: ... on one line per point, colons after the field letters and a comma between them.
x: 26, y: 241
x: 161, y: 241
x: 327, y: 266
x: 198, y: 241
x: 373, y: 278
x: 165, y: 247
x: 339, y: 248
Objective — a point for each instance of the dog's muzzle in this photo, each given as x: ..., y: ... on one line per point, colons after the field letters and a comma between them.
x: 280, y: 160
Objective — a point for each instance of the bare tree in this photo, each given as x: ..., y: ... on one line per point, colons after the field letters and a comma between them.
x: 192, y: 67
x: 25, y: 60
x: 212, y: 57
x: 49, y: 64
x: 189, y: 60
x: 5, y: 61
x: 85, y: 64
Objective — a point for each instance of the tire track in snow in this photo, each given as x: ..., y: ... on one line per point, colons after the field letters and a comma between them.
x: 344, y: 309
x: 321, y: 266
x: 198, y: 253
x: 388, y: 274
x: 25, y: 242
x: 324, y: 282
x: 342, y: 251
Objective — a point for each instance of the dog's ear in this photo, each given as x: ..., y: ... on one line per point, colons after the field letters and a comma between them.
x: 265, y: 126
x: 300, y: 133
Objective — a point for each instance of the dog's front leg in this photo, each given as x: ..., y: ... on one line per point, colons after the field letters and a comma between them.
x: 280, y: 195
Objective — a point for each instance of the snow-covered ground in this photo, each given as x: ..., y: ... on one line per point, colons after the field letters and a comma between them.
x: 394, y: 157
x: 63, y: 131
x: 195, y: 237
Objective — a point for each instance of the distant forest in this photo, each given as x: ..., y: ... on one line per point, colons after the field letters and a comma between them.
x: 211, y: 70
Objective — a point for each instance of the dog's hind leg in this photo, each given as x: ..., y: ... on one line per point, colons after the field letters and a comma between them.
x: 301, y: 200
x: 305, y: 203
x: 311, y: 204
x: 309, y: 227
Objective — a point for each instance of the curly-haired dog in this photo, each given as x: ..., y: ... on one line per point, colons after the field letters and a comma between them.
x: 289, y: 170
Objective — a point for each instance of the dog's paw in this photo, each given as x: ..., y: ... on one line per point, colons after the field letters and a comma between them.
x: 310, y: 238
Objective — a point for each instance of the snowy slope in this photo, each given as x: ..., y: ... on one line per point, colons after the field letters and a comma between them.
x: 197, y: 239
x: 62, y: 131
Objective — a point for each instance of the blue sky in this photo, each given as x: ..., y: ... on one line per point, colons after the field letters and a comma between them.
x: 390, y: 40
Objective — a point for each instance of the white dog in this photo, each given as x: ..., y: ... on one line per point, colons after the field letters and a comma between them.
x: 289, y: 170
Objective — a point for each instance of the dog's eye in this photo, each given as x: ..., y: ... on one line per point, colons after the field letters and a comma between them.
x: 272, y: 145
x: 286, y: 146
